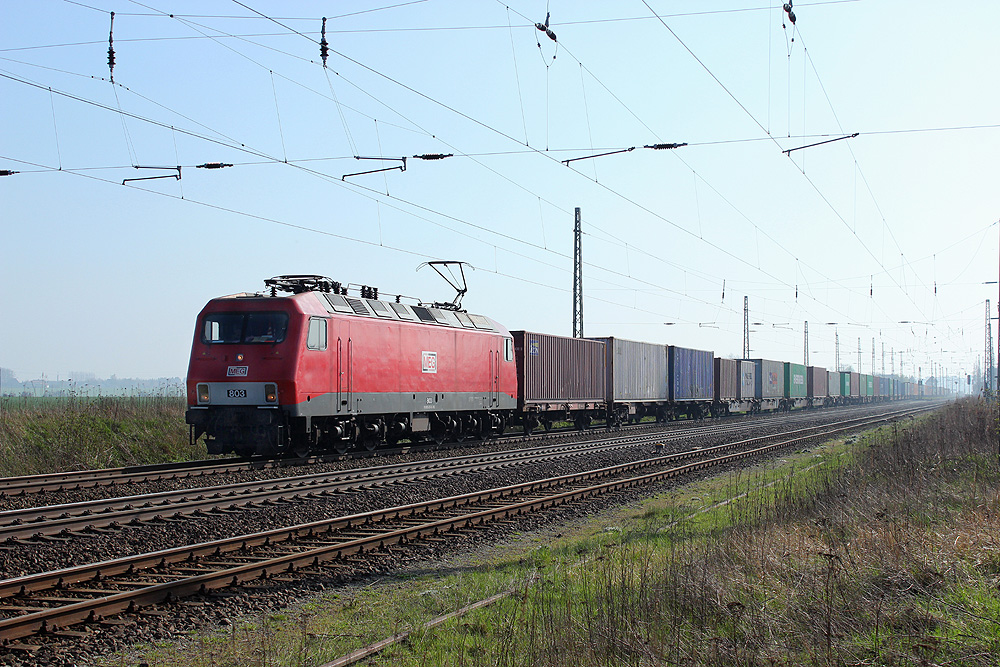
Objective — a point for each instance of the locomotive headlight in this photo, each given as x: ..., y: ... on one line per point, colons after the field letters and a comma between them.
x: 203, y: 396
x: 271, y: 393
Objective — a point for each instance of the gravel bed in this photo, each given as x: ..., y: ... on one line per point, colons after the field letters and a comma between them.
x: 185, y: 618
x: 215, y: 610
x: 45, y: 498
x: 28, y: 557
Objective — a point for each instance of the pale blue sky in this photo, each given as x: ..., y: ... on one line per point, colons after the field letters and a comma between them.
x: 108, y: 278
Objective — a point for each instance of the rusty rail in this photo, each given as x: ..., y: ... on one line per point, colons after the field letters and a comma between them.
x: 360, y: 534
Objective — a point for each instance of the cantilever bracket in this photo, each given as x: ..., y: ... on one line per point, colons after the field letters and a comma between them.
x: 176, y: 176
x: 401, y: 167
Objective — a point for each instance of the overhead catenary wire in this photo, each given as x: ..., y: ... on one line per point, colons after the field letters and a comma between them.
x: 261, y: 65
x: 758, y: 123
x: 258, y: 63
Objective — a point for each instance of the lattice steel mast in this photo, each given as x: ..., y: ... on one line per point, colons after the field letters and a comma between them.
x: 746, y: 327
x: 577, y: 277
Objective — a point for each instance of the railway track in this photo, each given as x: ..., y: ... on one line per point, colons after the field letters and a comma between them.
x: 52, y: 602
x: 192, y: 470
x: 76, y: 519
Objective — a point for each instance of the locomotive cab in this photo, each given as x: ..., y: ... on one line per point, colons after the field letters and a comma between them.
x: 242, y: 349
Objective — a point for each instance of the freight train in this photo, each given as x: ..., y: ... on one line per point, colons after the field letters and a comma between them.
x: 303, y: 366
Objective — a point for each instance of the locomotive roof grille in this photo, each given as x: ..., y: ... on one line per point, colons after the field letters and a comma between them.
x: 425, y: 314
x: 336, y: 303
x: 358, y: 306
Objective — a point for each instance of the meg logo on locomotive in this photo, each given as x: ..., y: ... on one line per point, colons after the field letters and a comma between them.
x: 429, y: 362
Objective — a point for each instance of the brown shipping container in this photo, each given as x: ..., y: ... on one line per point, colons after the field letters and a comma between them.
x: 855, y: 384
x: 727, y: 379
x: 554, y: 369
x: 816, y: 379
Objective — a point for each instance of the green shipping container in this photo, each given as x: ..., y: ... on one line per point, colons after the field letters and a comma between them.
x: 795, y: 381
x: 845, y: 384
x: 871, y: 385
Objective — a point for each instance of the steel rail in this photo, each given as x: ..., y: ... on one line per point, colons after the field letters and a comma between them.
x: 410, y: 528
x: 106, y: 477
x: 73, y: 518
x: 35, y: 522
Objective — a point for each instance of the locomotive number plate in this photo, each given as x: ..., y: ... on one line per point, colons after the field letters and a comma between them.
x: 236, y: 393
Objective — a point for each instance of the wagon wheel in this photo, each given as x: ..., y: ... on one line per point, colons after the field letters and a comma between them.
x: 341, y: 446
x: 439, y: 433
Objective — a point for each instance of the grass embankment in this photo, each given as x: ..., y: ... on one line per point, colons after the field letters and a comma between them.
x: 39, y: 435
x: 883, y: 550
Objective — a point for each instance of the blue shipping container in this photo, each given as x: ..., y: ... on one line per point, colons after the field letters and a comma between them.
x: 692, y: 374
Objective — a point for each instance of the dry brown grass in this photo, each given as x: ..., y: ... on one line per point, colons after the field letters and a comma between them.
x: 891, y: 557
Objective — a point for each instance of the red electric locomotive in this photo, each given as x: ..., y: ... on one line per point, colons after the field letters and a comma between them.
x: 315, y: 369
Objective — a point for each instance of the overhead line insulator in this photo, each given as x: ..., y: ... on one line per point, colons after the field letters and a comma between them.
x: 433, y: 156
x: 663, y: 147
x: 788, y: 10
x: 8, y: 172
x: 324, y: 46
x: 111, y: 48
x: 544, y: 27
x: 213, y: 165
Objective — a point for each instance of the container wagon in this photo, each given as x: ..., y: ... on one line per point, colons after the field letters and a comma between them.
x: 692, y: 381
x: 636, y: 380
x: 560, y: 379
x: 834, y: 388
x: 734, y: 386
x: 769, y: 384
x: 817, y: 386
x: 796, y: 387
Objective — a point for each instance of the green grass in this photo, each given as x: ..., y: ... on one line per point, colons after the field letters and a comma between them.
x: 39, y: 435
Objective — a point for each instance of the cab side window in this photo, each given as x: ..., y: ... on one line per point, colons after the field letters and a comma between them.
x: 316, y: 339
x: 508, y: 349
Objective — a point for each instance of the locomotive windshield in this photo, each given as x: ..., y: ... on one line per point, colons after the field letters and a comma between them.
x: 244, y: 328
